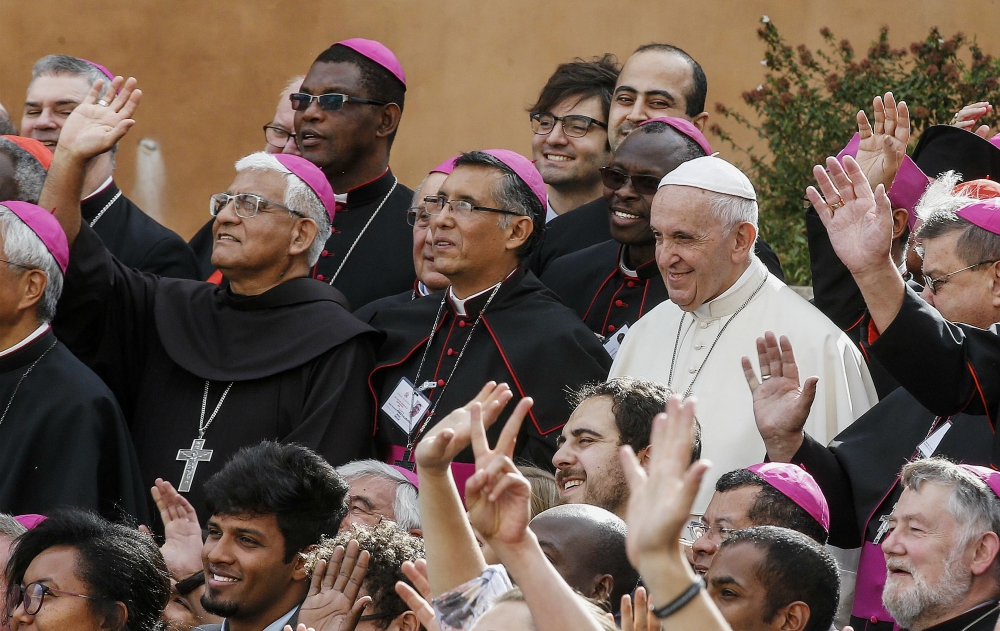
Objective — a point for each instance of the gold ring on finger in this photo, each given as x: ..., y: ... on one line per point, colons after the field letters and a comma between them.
x: 837, y: 205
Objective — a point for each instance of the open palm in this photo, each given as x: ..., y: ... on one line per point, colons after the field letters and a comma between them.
x: 882, y: 148
x: 93, y: 128
x: 453, y: 433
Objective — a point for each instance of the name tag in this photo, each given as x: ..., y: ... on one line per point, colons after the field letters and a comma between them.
x: 930, y: 445
x: 615, y: 341
x: 406, y: 406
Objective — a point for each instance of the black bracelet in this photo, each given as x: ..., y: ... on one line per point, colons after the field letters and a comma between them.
x: 678, y: 603
x: 187, y: 585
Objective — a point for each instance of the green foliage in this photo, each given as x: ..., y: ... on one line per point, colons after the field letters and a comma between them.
x: 807, y: 106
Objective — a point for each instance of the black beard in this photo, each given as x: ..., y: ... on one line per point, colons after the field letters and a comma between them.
x: 219, y: 607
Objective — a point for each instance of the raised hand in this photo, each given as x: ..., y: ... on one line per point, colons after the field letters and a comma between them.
x: 641, y: 618
x: 452, y: 434
x: 498, y: 496
x: 418, y: 605
x: 780, y: 405
x: 883, y: 147
x: 182, y: 532
x: 95, y: 125
x: 970, y: 114
x: 332, y: 603
x: 301, y: 627
x: 858, y: 220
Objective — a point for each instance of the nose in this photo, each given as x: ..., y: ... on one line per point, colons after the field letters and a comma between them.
x: 627, y: 191
x: 892, y: 545
x: 45, y: 120
x: 927, y: 295
x: 556, y: 137
x: 638, y: 112
x: 216, y: 551
x: 291, y: 147
x: 563, y: 458
x: 312, y: 112
x: 704, y: 546
x: 18, y: 616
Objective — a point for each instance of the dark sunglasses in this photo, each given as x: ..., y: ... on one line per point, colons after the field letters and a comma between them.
x: 329, y: 102
x: 641, y: 184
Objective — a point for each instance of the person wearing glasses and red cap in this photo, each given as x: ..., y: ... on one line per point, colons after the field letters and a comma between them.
x: 612, y: 284
x: 496, y: 322
x: 201, y: 370
x: 63, y: 439
x: 346, y: 118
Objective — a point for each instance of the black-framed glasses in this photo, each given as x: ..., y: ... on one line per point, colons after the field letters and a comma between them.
x: 574, y: 125
x: 641, y: 184
x: 30, y: 596
x: 418, y: 216
x: 330, y: 102
x: 276, y: 136
x: 934, y: 284
x: 246, y: 204
x: 459, y: 207
x: 699, y: 529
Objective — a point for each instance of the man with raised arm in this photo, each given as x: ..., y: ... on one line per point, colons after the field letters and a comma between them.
x: 201, y: 371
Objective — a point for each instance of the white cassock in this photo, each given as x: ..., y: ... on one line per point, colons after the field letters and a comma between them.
x: 725, y: 406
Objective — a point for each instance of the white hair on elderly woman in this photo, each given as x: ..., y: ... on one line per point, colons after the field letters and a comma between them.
x: 24, y: 249
x: 298, y: 196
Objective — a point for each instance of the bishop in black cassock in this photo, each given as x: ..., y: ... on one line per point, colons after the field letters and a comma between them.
x: 63, y: 440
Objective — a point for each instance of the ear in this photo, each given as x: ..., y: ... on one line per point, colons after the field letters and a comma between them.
x: 304, y: 232
x: 745, y: 235
x: 417, y: 532
x: 793, y: 617
x: 299, y: 572
x: 387, y: 125
x: 406, y: 621
x: 603, y: 588
x: 985, y: 553
x: 644, y: 455
x: 33, y: 284
x: 700, y: 121
x: 994, y: 272
x: 116, y: 617
x: 520, y: 229
x: 899, y: 219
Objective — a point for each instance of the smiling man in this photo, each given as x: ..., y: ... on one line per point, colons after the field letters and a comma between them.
x: 704, y: 218
x: 268, y: 505
x: 608, y: 415
x: 58, y: 84
x: 346, y: 118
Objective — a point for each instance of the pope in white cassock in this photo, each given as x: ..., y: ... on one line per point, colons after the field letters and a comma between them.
x: 722, y: 298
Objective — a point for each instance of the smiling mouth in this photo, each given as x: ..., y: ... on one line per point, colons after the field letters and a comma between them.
x: 571, y: 484
x: 556, y: 158
x: 624, y: 215
x: 226, y: 237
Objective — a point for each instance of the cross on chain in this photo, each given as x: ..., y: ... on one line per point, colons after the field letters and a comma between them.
x: 883, y: 528
x: 193, y: 456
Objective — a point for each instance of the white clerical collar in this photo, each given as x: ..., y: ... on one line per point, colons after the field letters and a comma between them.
x: 422, y: 289
x: 459, y: 303
x: 623, y: 266
x: 34, y: 335
x: 550, y: 212
x: 277, y: 625
x: 100, y: 189
x: 730, y: 300
x: 341, y: 198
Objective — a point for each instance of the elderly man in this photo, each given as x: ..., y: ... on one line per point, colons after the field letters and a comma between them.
x: 495, y: 323
x: 570, y: 121
x: 202, y: 371
x: 58, y: 84
x: 722, y: 297
x: 64, y: 442
x: 379, y: 491
x: 612, y: 284
x: 346, y: 118
x: 21, y: 175
x: 608, y: 415
x: 279, y: 137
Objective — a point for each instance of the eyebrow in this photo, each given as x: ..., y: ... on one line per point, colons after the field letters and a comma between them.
x: 57, y: 103
x: 584, y: 430
x: 719, y: 581
x: 364, y: 500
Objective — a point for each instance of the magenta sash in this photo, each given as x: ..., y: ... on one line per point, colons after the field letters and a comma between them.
x: 868, y: 589
x: 461, y: 471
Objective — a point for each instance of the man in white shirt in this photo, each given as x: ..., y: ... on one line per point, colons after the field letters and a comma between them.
x: 722, y: 298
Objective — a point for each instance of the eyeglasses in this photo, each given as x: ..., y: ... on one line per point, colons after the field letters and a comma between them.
x: 277, y: 137
x: 641, y: 184
x: 699, y: 530
x: 418, y: 216
x: 330, y: 102
x: 459, y: 207
x: 16, y: 264
x: 574, y: 125
x: 30, y: 596
x: 247, y: 204
x: 934, y: 284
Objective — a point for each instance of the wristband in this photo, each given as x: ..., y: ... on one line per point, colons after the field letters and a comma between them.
x: 678, y: 603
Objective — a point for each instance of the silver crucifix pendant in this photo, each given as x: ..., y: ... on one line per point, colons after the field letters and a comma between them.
x: 193, y: 456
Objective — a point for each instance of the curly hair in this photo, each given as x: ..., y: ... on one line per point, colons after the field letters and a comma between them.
x: 389, y: 547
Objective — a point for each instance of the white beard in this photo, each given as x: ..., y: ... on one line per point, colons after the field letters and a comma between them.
x: 921, y: 600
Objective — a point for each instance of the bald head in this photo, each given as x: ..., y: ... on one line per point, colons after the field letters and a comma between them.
x: 586, y: 544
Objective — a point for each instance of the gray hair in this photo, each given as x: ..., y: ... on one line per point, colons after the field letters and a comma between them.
x: 10, y: 527
x: 22, y: 246
x: 513, y: 194
x: 6, y: 125
x: 937, y: 208
x: 29, y: 174
x: 405, y: 505
x: 972, y: 503
x: 298, y: 196
x: 732, y: 210
x: 65, y: 64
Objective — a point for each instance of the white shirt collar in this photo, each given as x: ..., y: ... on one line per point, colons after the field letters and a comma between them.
x: 100, y: 188
x: 34, y: 335
x: 459, y: 303
x: 550, y: 212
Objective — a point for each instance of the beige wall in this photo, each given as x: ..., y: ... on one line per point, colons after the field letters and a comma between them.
x: 211, y: 71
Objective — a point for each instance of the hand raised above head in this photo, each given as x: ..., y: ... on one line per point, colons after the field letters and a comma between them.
x: 780, y: 405
x: 969, y: 115
x: 95, y: 125
x: 858, y: 219
x: 453, y: 433
x: 182, y: 532
x: 883, y: 147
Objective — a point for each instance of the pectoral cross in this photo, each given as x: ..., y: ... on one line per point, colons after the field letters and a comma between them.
x: 193, y: 456
x: 405, y: 461
x: 883, y: 528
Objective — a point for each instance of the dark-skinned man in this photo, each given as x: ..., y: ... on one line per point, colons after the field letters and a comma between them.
x: 496, y: 322
x: 273, y: 355
x: 612, y: 284
x: 658, y: 80
x: 346, y: 118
